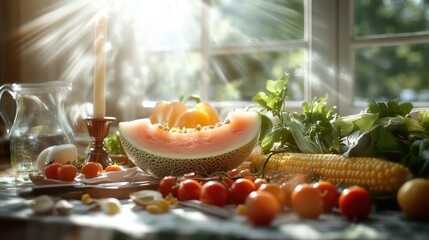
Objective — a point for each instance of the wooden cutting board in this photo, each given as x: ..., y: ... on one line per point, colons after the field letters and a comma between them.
x: 119, y: 190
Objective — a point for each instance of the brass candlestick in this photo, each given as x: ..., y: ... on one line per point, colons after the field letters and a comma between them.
x: 98, y: 128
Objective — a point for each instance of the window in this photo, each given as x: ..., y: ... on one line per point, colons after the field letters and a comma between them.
x: 223, y: 50
x: 229, y: 49
x: 386, y: 53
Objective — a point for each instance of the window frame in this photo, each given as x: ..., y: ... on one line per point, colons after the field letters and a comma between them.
x: 320, y: 64
x: 346, y: 47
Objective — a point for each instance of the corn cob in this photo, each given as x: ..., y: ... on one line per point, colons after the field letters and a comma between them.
x: 374, y: 174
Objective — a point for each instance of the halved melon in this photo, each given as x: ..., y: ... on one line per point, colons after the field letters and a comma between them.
x: 161, y: 152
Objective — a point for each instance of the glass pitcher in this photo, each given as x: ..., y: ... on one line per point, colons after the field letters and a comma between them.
x: 39, y: 123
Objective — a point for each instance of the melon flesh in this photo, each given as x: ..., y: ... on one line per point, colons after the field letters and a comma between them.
x: 161, y: 153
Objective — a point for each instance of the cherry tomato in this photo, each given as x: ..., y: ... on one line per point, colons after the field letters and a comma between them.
x: 240, y: 189
x: 413, y: 199
x: 189, y: 189
x: 113, y: 168
x: 261, y: 208
x: 289, y: 183
x: 329, y: 193
x: 67, y: 172
x: 227, y: 181
x: 355, y: 203
x: 90, y: 169
x: 192, y: 175
x: 246, y: 173
x: 234, y: 172
x: 276, y: 191
x: 51, y: 170
x: 214, y: 193
x: 307, y: 201
x: 259, y: 181
x: 288, y: 188
x: 168, y: 185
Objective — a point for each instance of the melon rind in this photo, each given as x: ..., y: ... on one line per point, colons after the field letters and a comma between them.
x: 159, y: 166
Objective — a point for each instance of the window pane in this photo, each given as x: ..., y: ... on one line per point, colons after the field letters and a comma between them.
x: 240, y: 77
x: 399, y: 72
x: 157, y: 25
x: 256, y: 21
x: 171, y: 76
x: 390, y: 16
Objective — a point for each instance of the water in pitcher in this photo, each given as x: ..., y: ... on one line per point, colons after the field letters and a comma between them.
x: 39, y: 122
x: 27, y: 149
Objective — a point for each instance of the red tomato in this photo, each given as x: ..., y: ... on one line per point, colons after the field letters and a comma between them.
x: 67, y: 172
x: 355, y: 203
x: 90, y: 169
x: 168, y: 185
x: 240, y: 189
x: 259, y: 181
x: 227, y: 181
x: 329, y: 193
x: 261, y: 208
x: 307, y: 201
x: 189, y: 189
x: 276, y: 191
x: 214, y: 193
x: 51, y: 170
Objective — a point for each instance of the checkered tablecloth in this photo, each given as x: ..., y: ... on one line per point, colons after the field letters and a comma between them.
x: 18, y: 222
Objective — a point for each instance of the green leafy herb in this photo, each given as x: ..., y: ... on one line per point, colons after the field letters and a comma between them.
x: 386, y: 130
x: 309, y: 132
x: 113, y: 144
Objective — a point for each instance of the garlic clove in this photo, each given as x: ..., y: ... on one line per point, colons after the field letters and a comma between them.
x: 145, y: 197
x: 42, y: 204
x: 110, y: 206
x: 63, y: 207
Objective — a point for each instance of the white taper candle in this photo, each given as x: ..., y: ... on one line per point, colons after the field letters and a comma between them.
x: 99, y: 103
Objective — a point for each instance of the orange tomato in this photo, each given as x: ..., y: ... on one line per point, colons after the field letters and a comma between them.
x: 276, y: 191
x: 113, y: 168
x: 51, y: 170
x: 259, y: 181
x: 307, y: 201
x: 90, y: 170
x: 261, y: 208
x: 67, y: 172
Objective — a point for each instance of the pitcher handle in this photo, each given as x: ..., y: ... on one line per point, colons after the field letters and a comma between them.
x: 3, y: 115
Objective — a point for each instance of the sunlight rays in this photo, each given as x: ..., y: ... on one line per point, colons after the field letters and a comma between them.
x: 158, y: 49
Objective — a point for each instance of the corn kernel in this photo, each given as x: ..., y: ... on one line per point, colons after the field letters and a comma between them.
x: 163, y: 205
x: 240, y: 209
x: 372, y: 173
x: 86, y: 199
x: 152, y: 208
